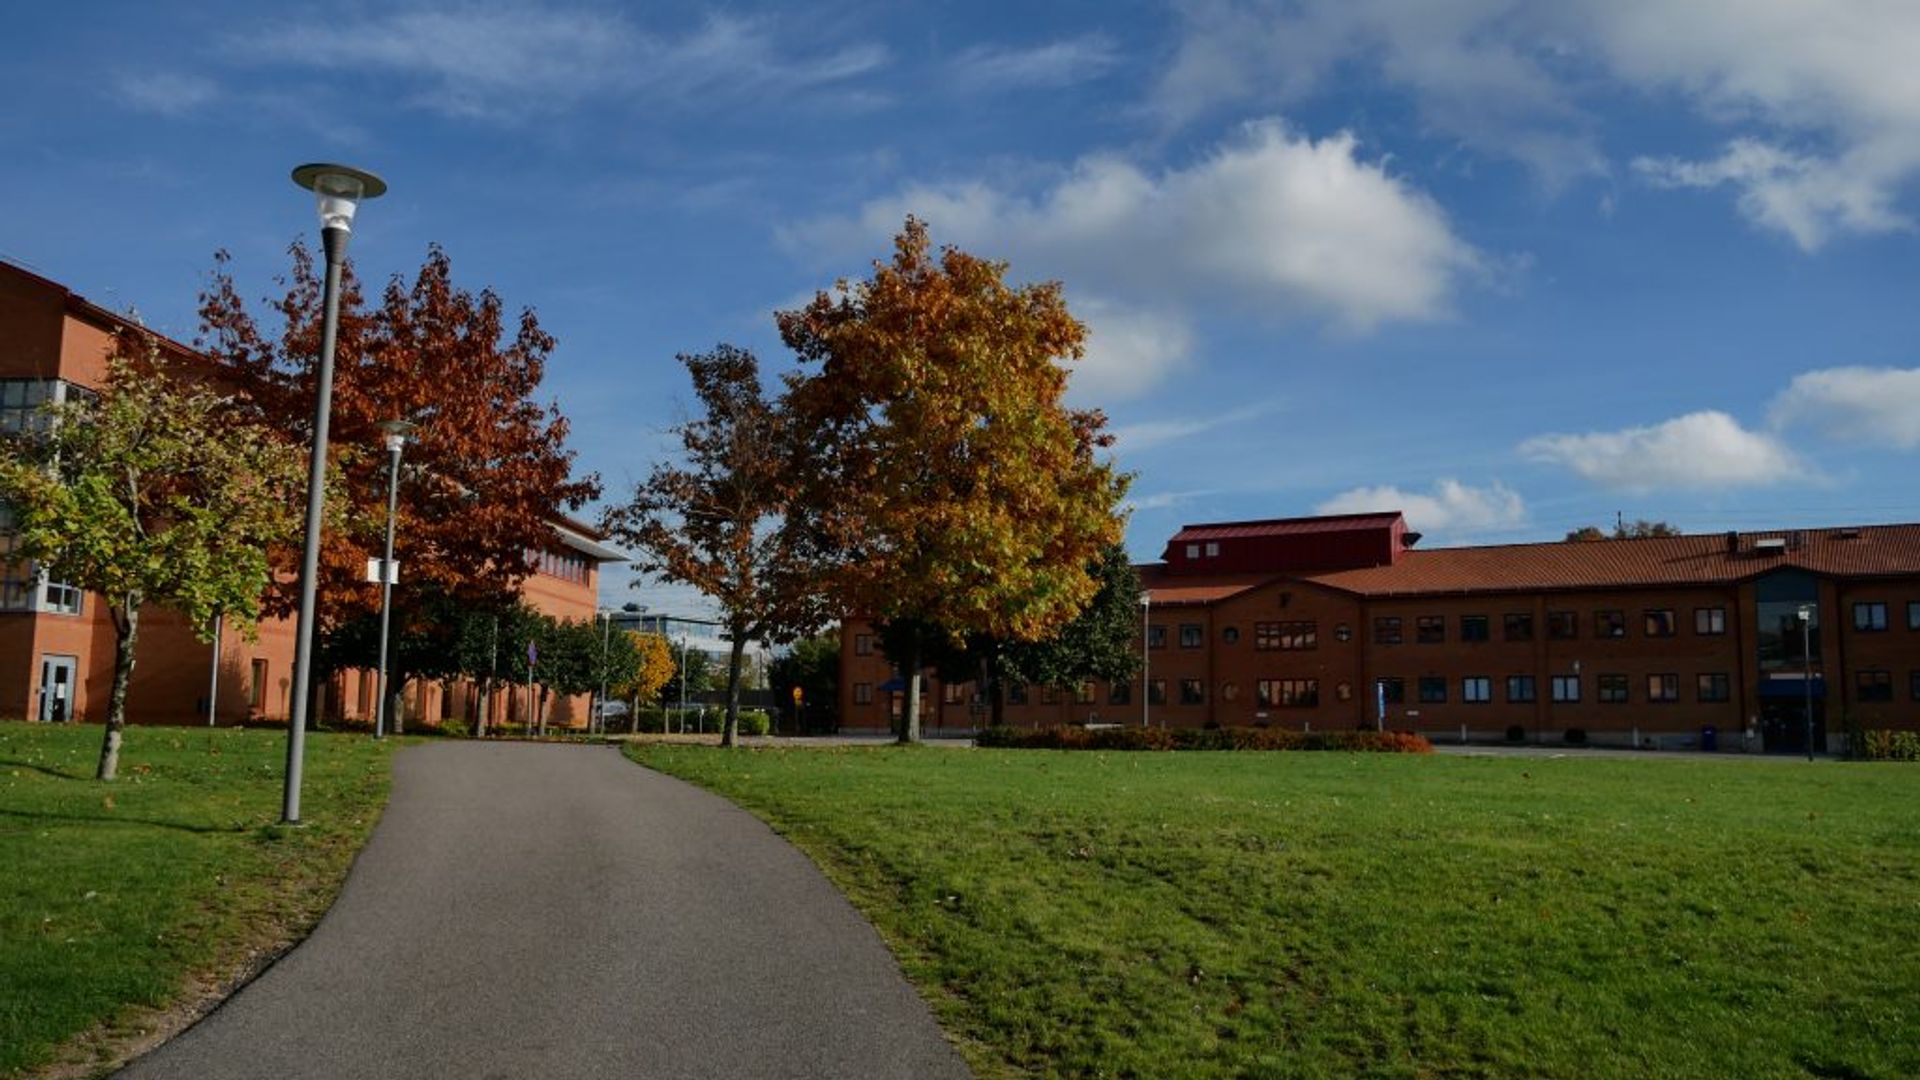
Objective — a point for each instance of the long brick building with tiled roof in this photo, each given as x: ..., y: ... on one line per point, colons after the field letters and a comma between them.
x: 1342, y: 622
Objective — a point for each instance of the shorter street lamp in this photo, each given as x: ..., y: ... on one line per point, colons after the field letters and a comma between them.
x: 397, y: 432
x: 606, y: 632
x: 1806, y: 666
x: 1146, y: 686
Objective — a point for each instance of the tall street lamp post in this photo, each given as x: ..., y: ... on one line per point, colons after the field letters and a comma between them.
x: 1146, y: 685
x: 1806, y: 665
x: 339, y: 189
x: 397, y: 432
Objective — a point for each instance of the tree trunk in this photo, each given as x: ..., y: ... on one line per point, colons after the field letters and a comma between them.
x: 540, y: 713
x: 730, y: 730
x: 910, y: 716
x: 486, y: 700
x: 126, y: 626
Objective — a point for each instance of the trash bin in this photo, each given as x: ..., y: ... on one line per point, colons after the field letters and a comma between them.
x: 1709, y: 738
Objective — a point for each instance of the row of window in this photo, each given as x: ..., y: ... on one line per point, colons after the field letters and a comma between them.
x: 1561, y: 626
x: 1870, y: 616
x: 565, y: 565
x: 1609, y: 689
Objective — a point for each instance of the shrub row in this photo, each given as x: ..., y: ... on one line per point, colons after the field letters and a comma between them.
x: 1882, y: 745
x: 1134, y: 738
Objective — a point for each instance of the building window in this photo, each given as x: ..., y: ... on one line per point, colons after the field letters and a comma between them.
x: 1193, y: 551
x: 1913, y: 614
x: 1476, y: 689
x: 62, y: 598
x: 1519, y: 689
x: 1519, y: 627
x: 21, y: 402
x: 1609, y: 624
x: 1566, y: 689
x: 1663, y: 688
x: 1611, y: 690
x: 1709, y: 621
x: 1433, y: 690
x: 1016, y: 693
x: 950, y: 694
x: 1659, y: 622
x: 862, y: 693
x: 1193, y: 692
x: 1870, y: 617
x: 1288, y: 693
x: 1473, y: 628
x: 1386, y: 630
x: 1430, y: 629
x: 1913, y: 687
x: 1713, y: 688
x: 1229, y: 691
x: 1191, y: 635
x: 1563, y: 625
x: 257, y: 693
x: 1394, y: 690
x: 1213, y: 549
x: 1049, y: 695
x: 863, y: 644
x: 1083, y: 695
x: 1343, y: 692
x: 1120, y: 693
x: 1231, y: 635
x: 1342, y: 632
x: 1157, y: 692
x: 1156, y: 636
x: 1873, y: 686
x: 1300, y: 634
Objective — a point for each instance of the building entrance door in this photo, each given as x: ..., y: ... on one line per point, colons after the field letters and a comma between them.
x: 1783, y: 726
x: 56, y: 688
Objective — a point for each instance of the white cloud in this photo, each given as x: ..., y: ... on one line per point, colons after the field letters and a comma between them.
x: 1129, y: 351
x: 1702, y: 450
x: 507, y: 61
x: 1872, y: 405
x: 1146, y: 434
x: 985, y: 68
x: 1450, y: 507
x: 1273, y: 222
x: 1166, y: 500
x: 168, y: 93
x: 1821, y: 101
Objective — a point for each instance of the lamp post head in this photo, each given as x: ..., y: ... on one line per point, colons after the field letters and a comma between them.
x: 397, y: 432
x: 1806, y: 613
x: 1146, y: 599
x: 339, y: 189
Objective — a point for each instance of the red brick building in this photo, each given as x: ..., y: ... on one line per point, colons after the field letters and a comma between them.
x: 57, y: 642
x: 1343, y: 622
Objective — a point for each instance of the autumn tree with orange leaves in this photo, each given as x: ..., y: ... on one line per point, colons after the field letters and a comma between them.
x: 486, y: 471
x: 719, y: 518
x: 963, y: 497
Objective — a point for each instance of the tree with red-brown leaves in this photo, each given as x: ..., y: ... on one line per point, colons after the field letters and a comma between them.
x: 487, y: 469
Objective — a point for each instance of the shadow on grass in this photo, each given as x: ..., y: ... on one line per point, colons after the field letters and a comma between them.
x: 115, y: 819
x: 60, y: 774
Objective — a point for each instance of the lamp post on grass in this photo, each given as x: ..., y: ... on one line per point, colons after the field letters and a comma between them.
x: 1806, y: 666
x: 397, y: 432
x: 606, y: 632
x: 338, y: 189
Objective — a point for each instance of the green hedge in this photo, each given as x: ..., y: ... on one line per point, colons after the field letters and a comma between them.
x: 1135, y: 738
x: 1883, y: 745
x: 755, y: 722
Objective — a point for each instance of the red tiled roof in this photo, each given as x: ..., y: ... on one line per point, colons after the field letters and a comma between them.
x: 1165, y: 588
x: 1867, y: 551
x: 1233, y: 530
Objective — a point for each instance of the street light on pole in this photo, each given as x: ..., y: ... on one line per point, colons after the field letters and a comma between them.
x: 606, y: 632
x: 338, y: 189
x: 1806, y: 667
x: 1146, y: 686
x: 397, y: 432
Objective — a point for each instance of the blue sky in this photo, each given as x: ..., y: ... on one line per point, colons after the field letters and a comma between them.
x: 1512, y: 267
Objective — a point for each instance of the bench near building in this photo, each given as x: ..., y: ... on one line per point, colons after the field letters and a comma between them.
x: 56, y: 642
x: 1342, y: 622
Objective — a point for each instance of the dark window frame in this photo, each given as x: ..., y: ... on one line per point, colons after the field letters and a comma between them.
x: 1612, y: 688
x: 1476, y: 689
x: 1710, y: 621
x: 1387, y: 630
x: 1528, y: 690
x: 1517, y: 626
x: 1659, y: 622
x: 1663, y: 688
x: 1476, y: 628
x: 1609, y: 624
x: 1875, y: 612
x: 1433, y: 689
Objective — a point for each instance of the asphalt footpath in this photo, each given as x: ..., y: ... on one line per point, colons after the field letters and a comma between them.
x: 549, y: 911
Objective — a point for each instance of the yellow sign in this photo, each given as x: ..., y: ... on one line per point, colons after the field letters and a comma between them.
x: 796, y: 695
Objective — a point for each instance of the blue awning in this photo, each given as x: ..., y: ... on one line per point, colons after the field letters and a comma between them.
x: 1792, y: 687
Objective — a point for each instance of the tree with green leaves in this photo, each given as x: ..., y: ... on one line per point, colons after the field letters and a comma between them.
x: 961, y: 496
x: 719, y: 519
x: 811, y: 665
x: 1640, y: 529
x: 153, y: 493
x: 1101, y: 643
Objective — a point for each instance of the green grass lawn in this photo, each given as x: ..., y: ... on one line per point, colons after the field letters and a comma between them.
x: 112, y: 896
x: 1319, y: 914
